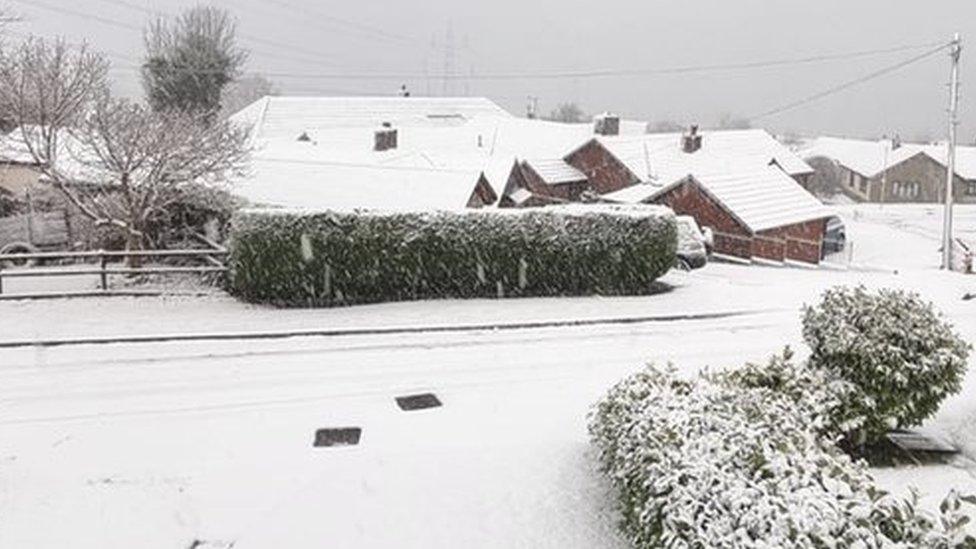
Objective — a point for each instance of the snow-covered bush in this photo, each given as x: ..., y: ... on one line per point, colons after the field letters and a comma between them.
x: 823, y: 397
x: 709, y: 462
x: 336, y: 258
x: 901, y: 354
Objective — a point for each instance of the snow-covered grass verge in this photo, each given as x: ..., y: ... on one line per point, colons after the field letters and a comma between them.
x: 335, y: 258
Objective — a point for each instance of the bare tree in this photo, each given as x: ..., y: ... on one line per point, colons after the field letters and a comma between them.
x: 664, y: 126
x: 730, y: 122
x: 120, y: 163
x: 244, y: 91
x: 190, y: 59
x: 567, y: 112
x: 46, y: 89
x: 152, y: 160
x: 826, y: 181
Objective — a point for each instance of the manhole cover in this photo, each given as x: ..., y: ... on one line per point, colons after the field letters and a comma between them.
x: 418, y: 402
x: 342, y: 436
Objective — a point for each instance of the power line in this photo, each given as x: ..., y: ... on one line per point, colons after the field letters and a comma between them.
x: 314, y: 56
x: 542, y: 75
x: 252, y: 38
x: 362, y: 28
x: 849, y: 84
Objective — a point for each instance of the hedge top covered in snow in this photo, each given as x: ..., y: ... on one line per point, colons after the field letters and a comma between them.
x: 575, y: 209
x: 338, y: 258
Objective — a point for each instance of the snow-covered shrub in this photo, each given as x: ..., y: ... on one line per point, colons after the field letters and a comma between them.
x: 822, y: 397
x: 709, y: 462
x: 901, y: 354
x: 336, y: 258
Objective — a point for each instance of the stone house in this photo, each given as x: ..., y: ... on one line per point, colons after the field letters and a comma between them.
x: 887, y: 171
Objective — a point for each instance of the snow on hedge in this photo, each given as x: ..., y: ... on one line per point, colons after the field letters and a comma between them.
x: 337, y: 258
x: 898, y: 350
x: 710, y: 462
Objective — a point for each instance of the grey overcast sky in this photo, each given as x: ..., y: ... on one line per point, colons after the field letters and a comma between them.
x: 306, y: 42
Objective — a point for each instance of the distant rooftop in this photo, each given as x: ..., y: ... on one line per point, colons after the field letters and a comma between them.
x: 287, y: 117
x: 870, y: 158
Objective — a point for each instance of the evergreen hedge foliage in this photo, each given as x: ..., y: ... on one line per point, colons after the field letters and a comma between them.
x: 341, y: 258
x: 738, y: 459
x: 902, y: 355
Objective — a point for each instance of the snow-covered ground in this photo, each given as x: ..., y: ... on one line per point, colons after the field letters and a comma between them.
x: 157, y: 445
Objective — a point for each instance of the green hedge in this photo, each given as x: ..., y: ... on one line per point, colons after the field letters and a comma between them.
x: 340, y: 258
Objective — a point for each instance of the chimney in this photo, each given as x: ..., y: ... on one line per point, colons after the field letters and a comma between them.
x: 692, y: 140
x: 385, y: 138
x: 606, y: 124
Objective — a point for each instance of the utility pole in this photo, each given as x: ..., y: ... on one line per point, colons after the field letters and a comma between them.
x: 449, y: 59
x: 886, y: 143
x: 954, y: 54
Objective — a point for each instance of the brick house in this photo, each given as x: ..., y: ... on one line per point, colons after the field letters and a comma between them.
x: 540, y: 182
x: 888, y: 171
x: 614, y: 163
x: 742, y: 184
x: 762, y: 213
x: 483, y: 194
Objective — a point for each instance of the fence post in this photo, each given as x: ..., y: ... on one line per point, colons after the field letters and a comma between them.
x: 1, y: 276
x: 103, y: 260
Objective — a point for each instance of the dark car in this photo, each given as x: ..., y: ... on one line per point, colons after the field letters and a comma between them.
x: 835, y: 237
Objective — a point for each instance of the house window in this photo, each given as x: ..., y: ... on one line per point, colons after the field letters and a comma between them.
x: 907, y: 189
x: 850, y: 179
x: 971, y: 188
x: 864, y: 184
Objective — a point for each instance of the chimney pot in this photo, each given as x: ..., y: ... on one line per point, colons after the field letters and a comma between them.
x: 692, y: 140
x: 385, y: 138
x: 606, y: 124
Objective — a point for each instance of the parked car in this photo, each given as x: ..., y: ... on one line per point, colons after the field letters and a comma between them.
x: 693, y: 244
x: 835, y: 238
x: 31, y: 233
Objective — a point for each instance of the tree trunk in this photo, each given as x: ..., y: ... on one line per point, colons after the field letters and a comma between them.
x: 133, y: 242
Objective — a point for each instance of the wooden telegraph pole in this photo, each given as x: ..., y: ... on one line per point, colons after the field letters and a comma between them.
x: 954, y: 53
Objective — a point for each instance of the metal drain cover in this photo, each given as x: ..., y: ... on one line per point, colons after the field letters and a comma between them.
x: 341, y: 436
x: 418, y: 402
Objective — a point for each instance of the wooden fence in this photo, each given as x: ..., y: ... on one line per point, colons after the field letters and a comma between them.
x: 106, y: 262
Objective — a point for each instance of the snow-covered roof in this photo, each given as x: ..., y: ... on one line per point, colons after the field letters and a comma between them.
x: 73, y: 159
x: 965, y: 158
x: 634, y: 193
x: 288, y: 117
x: 519, y: 195
x: 343, y: 185
x: 14, y: 150
x: 762, y: 198
x: 483, y: 144
x: 868, y: 158
x: 555, y: 170
x: 660, y: 158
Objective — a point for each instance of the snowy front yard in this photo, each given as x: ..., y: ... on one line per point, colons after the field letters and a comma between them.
x: 212, y: 441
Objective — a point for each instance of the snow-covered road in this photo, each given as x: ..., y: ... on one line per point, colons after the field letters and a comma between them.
x: 208, y: 439
x: 160, y: 444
